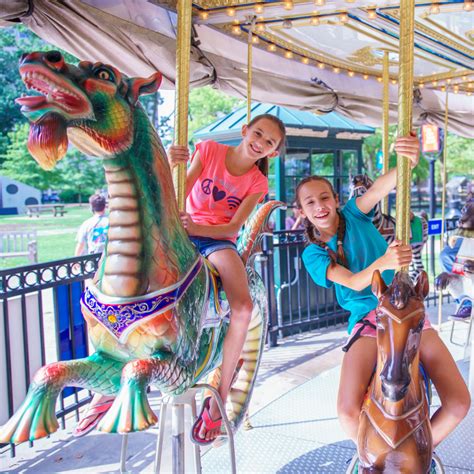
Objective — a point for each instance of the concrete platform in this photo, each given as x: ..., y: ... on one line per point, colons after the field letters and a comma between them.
x: 293, y: 413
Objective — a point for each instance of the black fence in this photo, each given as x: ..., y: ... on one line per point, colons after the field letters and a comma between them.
x: 41, y: 322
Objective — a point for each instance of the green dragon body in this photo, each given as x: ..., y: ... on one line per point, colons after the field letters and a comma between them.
x: 153, y: 309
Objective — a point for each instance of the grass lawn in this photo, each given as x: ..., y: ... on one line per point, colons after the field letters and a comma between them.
x: 56, y: 235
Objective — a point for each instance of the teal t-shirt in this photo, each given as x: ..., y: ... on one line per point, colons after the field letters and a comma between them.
x: 362, y: 245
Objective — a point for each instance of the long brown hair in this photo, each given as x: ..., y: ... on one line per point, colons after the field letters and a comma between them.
x: 312, y: 231
x: 262, y: 163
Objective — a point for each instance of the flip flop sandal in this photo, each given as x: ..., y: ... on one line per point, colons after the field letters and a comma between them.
x: 209, y: 423
x: 92, y: 417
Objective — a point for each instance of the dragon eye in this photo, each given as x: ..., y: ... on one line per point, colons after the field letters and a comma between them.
x: 105, y: 75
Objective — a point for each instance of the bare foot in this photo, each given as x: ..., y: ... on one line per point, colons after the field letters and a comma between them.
x: 215, y: 415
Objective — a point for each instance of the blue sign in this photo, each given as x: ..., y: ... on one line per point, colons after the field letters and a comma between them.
x: 434, y: 226
x: 379, y: 160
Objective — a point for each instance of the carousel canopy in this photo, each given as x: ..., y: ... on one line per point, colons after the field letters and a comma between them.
x: 318, y: 55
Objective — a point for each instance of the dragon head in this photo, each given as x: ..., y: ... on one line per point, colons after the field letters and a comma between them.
x: 91, y: 104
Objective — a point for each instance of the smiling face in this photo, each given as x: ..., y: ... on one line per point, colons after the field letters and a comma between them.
x: 261, y: 139
x: 318, y: 204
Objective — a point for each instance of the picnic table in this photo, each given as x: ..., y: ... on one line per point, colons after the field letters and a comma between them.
x: 37, y: 209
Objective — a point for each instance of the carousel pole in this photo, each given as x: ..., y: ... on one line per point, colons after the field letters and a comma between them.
x: 183, y: 53
x: 443, y: 199
x: 249, y: 68
x: 385, y: 119
x: 405, y: 106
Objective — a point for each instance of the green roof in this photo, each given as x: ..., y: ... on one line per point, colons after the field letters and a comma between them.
x: 232, y: 123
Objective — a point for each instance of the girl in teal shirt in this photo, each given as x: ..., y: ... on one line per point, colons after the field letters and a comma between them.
x: 345, y: 248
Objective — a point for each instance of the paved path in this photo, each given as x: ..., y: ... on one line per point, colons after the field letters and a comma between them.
x: 293, y: 413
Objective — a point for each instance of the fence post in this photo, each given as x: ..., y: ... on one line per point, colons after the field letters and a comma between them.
x: 269, y: 282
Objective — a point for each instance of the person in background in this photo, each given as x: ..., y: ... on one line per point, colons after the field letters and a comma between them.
x: 92, y: 235
x: 91, y: 238
x: 295, y: 220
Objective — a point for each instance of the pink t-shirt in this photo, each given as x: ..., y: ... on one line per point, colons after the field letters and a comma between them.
x: 217, y: 194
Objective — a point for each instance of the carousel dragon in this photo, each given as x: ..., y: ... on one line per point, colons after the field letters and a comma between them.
x: 155, y: 311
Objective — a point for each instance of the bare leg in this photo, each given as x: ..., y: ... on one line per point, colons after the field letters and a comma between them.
x: 454, y: 395
x: 234, y: 281
x: 357, y: 367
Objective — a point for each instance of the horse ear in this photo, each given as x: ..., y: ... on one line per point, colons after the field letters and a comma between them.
x: 140, y: 86
x: 378, y: 285
x: 422, y: 286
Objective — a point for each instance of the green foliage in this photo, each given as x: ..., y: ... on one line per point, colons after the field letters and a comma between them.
x: 373, y: 144
x: 76, y: 175
x: 207, y: 104
x: 460, y: 161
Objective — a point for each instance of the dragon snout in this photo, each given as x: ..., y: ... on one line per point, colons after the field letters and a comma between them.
x: 53, y: 59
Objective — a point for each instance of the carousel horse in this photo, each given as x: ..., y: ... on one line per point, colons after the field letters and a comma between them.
x: 460, y: 282
x: 155, y: 312
x: 385, y: 224
x: 394, y: 431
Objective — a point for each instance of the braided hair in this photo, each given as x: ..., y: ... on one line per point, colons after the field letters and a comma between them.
x: 312, y: 232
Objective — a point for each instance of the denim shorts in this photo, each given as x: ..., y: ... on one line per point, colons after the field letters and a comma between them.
x: 206, y: 245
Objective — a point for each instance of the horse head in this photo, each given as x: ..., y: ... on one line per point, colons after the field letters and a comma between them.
x: 360, y: 183
x: 400, y: 316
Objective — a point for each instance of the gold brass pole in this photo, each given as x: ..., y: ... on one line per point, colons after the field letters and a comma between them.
x: 183, y: 52
x: 249, y: 70
x: 443, y: 197
x: 386, y: 105
x: 405, y: 102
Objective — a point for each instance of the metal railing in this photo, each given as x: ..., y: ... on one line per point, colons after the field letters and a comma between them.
x: 41, y: 322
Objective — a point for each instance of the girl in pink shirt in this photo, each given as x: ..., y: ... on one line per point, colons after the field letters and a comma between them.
x: 223, y: 186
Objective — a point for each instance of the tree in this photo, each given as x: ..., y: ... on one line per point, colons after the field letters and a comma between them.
x: 207, y: 104
x: 18, y: 163
x: 76, y: 176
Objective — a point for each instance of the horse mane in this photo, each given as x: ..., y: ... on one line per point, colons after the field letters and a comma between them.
x: 401, y: 290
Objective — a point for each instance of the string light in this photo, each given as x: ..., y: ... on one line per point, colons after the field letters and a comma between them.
x: 271, y: 47
x: 336, y: 70
x: 467, y: 5
x: 435, y: 83
x: 394, y: 81
x: 236, y: 30
x: 260, y: 27
x: 305, y: 60
x: 321, y: 65
x: 230, y: 12
x: 343, y: 17
x: 379, y: 79
x: 365, y: 76
x: 443, y: 89
x: 464, y: 78
x: 434, y: 9
x: 456, y: 89
x: 421, y: 85
x: 319, y: 2
x: 371, y: 14
x: 448, y: 81
x: 314, y: 21
x: 258, y: 8
x: 288, y: 54
x: 351, y: 73
x: 255, y: 39
x: 204, y: 15
x: 288, y: 5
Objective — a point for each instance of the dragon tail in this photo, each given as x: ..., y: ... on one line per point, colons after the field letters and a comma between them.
x: 255, y: 228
